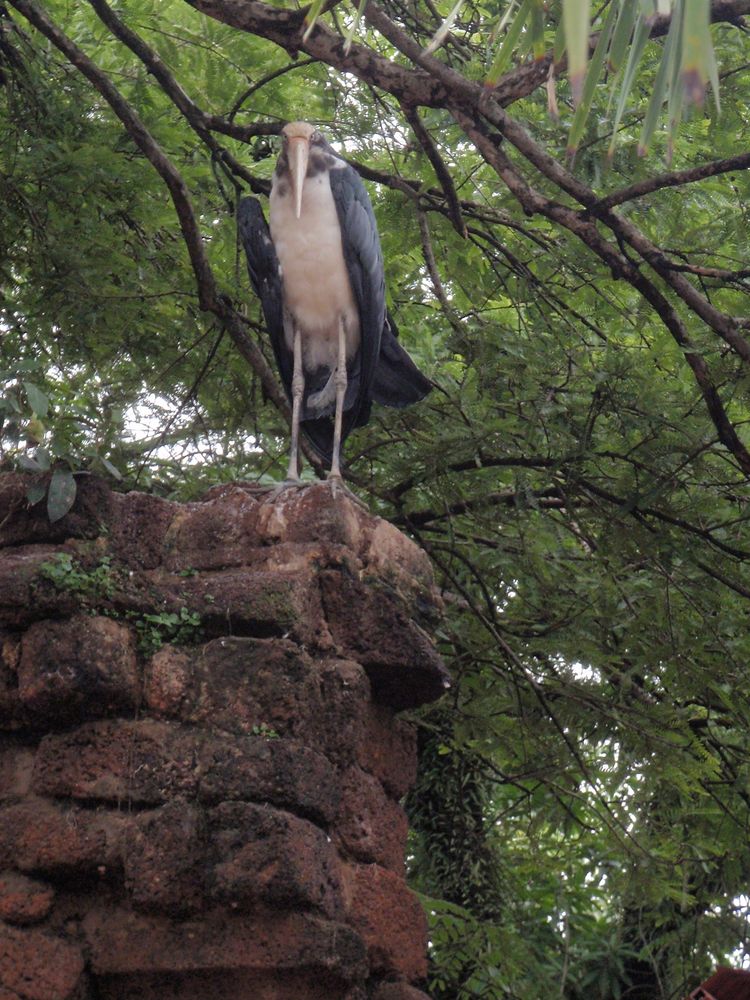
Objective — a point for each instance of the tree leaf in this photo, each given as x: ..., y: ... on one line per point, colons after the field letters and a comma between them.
x: 592, y: 78
x: 660, y: 92
x: 442, y: 32
x: 697, y: 49
x: 506, y: 48
x: 61, y: 494
x: 577, y: 22
x: 35, y: 493
x: 37, y: 400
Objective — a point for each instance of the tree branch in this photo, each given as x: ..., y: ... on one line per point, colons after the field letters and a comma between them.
x: 674, y: 179
x: 200, y: 122
x: 441, y: 171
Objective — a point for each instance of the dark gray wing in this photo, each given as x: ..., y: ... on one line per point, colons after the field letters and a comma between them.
x: 397, y: 381
x: 265, y: 276
x: 364, y: 265
x: 388, y: 375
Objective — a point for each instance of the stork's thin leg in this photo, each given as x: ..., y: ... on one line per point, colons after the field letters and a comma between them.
x: 298, y: 388
x: 339, y: 381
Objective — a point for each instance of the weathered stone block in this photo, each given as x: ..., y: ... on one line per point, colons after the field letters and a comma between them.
x: 241, y: 684
x: 388, y: 750
x: 345, y: 700
x: 312, y: 514
x: 122, y: 942
x: 168, y: 682
x: 35, y: 966
x: 389, y: 554
x: 24, y: 900
x: 199, y: 853
x: 273, y: 857
x: 370, y: 826
x: 24, y: 595
x: 266, y: 770
x: 390, y: 920
x: 163, y: 859
x: 12, y: 714
x: 21, y: 523
x: 16, y: 769
x: 264, y: 602
x: 81, y: 668
x: 370, y: 625
x: 138, y: 527
x: 148, y: 762
x: 141, y: 763
x: 227, y: 984
x: 398, y: 991
x: 39, y: 837
x: 236, y: 684
x: 218, y: 533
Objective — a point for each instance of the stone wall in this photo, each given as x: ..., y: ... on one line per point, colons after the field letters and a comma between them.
x: 201, y: 762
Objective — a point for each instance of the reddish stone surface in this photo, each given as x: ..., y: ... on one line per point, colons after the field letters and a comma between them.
x: 146, y: 762
x: 243, y: 684
x: 263, y: 603
x: 37, y: 966
x: 390, y: 920
x: 216, y: 819
x: 21, y: 523
x: 398, y: 991
x: 276, y: 771
x: 220, y: 532
x: 122, y: 942
x: 138, y: 527
x: 385, y: 555
x: 237, y: 683
x: 169, y: 682
x: 12, y: 715
x: 133, y: 763
x: 163, y: 859
x: 388, y: 749
x: 273, y: 857
x: 81, y: 668
x: 24, y: 900
x: 369, y: 625
x: 16, y: 769
x: 39, y: 837
x: 24, y: 596
x: 242, y: 984
x: 370, y: 826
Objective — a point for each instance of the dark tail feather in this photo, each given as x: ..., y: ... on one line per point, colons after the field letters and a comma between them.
x: 397, y: 380
x: 319, y: 433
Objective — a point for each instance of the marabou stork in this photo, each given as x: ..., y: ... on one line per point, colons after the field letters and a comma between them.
x: 319, y: 275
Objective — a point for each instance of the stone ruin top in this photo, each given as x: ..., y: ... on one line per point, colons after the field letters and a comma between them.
x: 201, y: 761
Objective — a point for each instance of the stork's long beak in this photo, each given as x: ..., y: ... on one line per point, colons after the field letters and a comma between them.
x: 299, y: 151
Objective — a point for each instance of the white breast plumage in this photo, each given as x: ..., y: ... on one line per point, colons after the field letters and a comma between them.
x: 316, y: 287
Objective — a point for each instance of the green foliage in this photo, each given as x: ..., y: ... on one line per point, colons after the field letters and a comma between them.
x: 93, y: 584
x: 264, y: 730
x: 183, y: 627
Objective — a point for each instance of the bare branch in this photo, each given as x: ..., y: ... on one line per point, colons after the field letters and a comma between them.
x: 441, y: 171
x: 674, y: 179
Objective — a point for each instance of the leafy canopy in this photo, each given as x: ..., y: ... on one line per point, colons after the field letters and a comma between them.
x: 578, y: 475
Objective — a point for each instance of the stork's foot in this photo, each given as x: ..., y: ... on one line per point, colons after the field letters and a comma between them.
x: 339, y: 488
x: 274, y: 492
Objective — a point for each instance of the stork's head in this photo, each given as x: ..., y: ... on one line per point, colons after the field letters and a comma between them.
x: 297, y: 138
